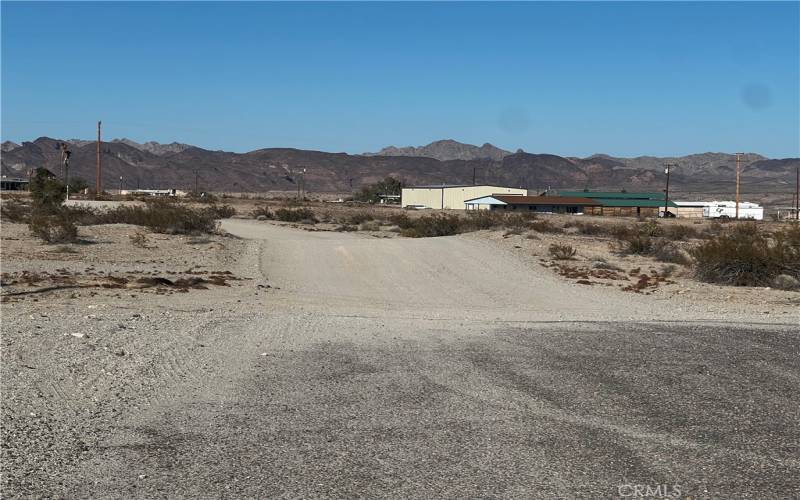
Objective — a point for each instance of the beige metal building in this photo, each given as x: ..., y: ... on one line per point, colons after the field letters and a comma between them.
x: 452, y: 196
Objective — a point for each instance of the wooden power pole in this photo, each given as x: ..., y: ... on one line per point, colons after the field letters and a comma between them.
x: 797, y: 196
x: 667, y: 168
x: 98, y: 181
x: 738, y: 172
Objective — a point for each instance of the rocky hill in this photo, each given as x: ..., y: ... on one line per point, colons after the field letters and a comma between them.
x: 8, y: 146
x: 277, y: 169
x: 445, y: 150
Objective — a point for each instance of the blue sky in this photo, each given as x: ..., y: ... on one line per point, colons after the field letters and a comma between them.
x: 565, y: 78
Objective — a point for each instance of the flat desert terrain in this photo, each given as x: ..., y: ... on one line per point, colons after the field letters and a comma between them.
x: 277, y: 362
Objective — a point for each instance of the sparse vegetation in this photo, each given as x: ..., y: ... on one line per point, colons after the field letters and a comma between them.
x: 744, y: 255
x: 448, y: 224
x: 664, y: 250
x: 14, y: 210
x: 53, y: 228
x: 431, y: 226
x: 262, y: 212
x: 359, y: 217
x: 370, y: 225
x: 545, y: 226
x: 295, y: 215
x: 138, y: 239
x: 561, y: 252
x: 47, y: 192
x: 681, y: 232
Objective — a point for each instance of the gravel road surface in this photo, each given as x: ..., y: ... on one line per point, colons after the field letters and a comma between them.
x: 428, y: 368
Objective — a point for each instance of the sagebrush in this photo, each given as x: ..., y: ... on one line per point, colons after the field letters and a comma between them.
x: 745, y: 255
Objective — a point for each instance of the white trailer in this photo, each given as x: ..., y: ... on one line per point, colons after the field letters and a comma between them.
x: 727, y: 210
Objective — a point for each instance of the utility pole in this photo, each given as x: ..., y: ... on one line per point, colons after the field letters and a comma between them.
x: 667, y: 168
x: 196, y: 176
x: 98, y: 181
x: 120, y: 185
x: 738, y: 172
x: 797, y: 196
x: 473, y: 174
x: 65, y: 154
x: 304, y: 183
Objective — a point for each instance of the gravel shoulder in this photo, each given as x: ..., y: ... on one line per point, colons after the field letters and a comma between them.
x: 370, y: 367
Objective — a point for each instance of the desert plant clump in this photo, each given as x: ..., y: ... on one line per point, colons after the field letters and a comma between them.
x: 545, y: 226
x: 53, y: 228
x: 370, y: 225
x: 15, y: 211
x: 138, y: 239
x: 429, y: 226
x: 262, y: 212
x: 635, y: 244
x: 359, y: 217
x: 561, y: 252
x: 650, y: 228
x: 221, y: 211
x: 164, y: 217
x: 681, y: 232
x: 745, y: 255
x: 47, y: 192
x: 295, y: 215
x: 666, y: 251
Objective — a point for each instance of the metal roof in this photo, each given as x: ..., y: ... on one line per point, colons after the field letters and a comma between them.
x: 613, y: 195
x: 545, y: 200
x: 447, y: 186
x: 634, y: 203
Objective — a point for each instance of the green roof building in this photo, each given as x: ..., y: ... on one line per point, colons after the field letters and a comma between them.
x: 623, y: 203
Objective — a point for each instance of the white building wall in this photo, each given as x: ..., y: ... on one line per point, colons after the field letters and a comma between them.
x: 452, y: 197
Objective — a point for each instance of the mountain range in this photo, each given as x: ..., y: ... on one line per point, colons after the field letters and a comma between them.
x: 152, y: 164
x: 445, y: 150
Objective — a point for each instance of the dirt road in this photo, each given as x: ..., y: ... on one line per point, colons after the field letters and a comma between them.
x: 444, y: 368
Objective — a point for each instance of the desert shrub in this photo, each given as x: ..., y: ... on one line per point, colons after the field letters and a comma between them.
x: 432, y: 226
x: 746, y: 256
x: 169, y: 218
x: 346, y: 228
x: 221, y: 211
x: 713, y: 230
x: 370, y: 225
x: 261, y: 211
x: 650, y: 228
x: 561, y: 252
x: 588, y: 228
x: 545, y: 226
x: 666, y: 251
x: 402, y: 221
x: 53, y: 228
x: 786, y: 282
x: 680, y: 232
x: 295, y: 215
x: 13, y: 210
x: 83, y: 216
x: 635, y: 244
x: 47, y: 192
x: 138, y: 239
x: 359, y: 217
